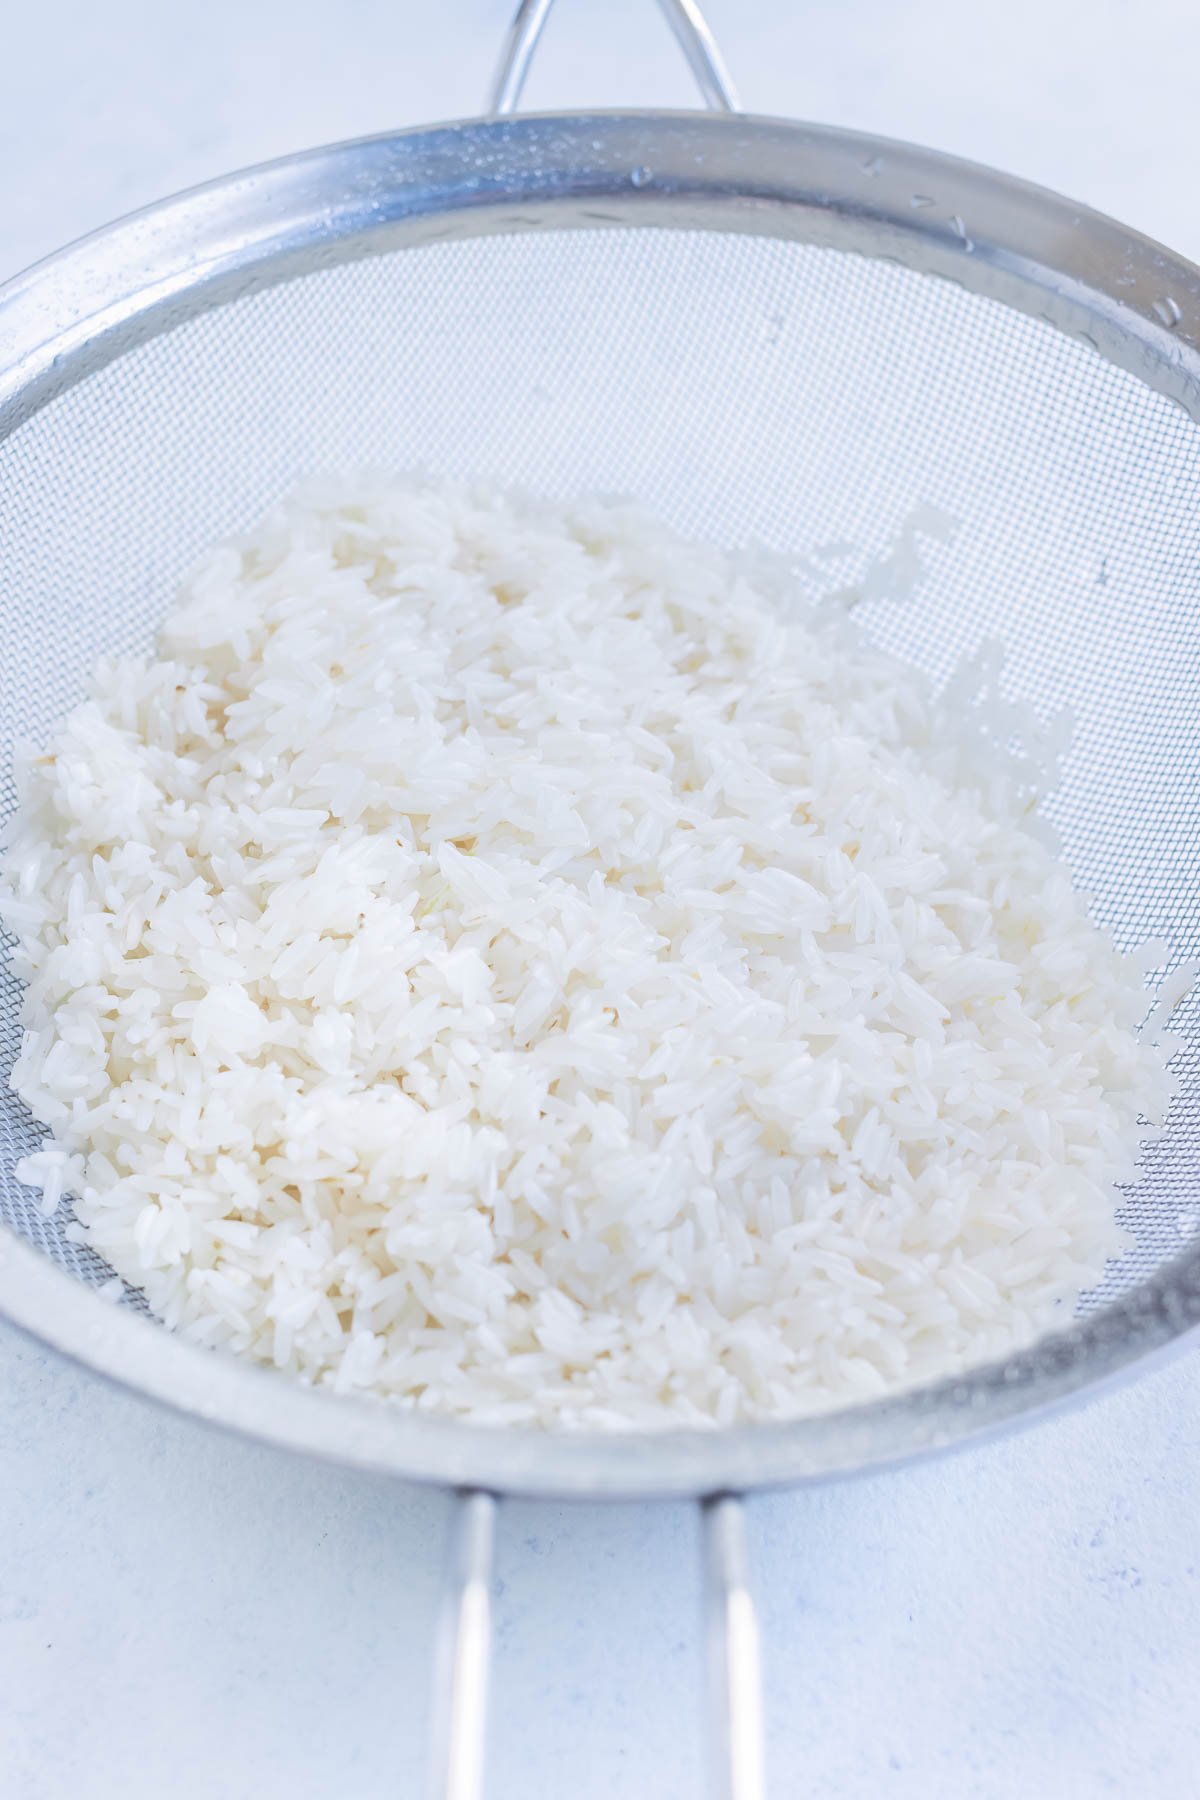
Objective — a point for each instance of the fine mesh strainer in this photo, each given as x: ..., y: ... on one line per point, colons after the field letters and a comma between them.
x: 767, y: 331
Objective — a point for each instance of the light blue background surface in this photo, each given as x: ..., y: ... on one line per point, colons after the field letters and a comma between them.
x: 183, y: 1613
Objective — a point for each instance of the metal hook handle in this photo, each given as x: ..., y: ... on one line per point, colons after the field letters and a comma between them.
x: 464, y: 1655
x: 735, y: 1657
x: 685, y: 19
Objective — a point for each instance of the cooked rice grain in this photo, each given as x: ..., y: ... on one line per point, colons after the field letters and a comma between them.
x: 513, y: 960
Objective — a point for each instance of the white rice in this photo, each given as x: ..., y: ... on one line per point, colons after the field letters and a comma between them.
x: 513, y: 960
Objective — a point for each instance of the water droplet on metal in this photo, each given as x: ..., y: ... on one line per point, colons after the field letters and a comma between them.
x: 873, y: 165
x: 640, y: 176
x: 921, y: 200
x: 1168, y: 311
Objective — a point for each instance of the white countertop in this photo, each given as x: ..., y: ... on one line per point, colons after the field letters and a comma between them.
x: 185, y: 1614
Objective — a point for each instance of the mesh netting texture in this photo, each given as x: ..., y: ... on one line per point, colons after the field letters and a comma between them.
x: 748, y: 390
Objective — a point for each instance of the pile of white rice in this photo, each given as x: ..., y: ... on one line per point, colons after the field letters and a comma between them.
x: 513, y: 960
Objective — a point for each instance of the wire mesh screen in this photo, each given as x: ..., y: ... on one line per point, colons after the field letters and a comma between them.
x: 747, y: 389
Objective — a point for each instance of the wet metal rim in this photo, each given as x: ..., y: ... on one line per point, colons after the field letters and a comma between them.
x: 1134, y: 302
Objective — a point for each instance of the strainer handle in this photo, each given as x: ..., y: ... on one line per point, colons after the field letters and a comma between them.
x: 734, y: 1654
x: 461, y: 1665
x: 683, y: 16
x: 462, y: 1661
